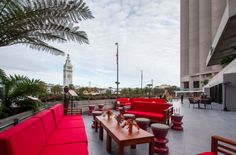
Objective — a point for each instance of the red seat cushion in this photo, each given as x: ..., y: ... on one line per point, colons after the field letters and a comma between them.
x: 64, y: 136
x: 26, y: 138
x: 47, y: 120
x: 66, y: 149
x: 153, y: 116
x: 72, y: 117
x: 206, y: 153
x: 71, y: 124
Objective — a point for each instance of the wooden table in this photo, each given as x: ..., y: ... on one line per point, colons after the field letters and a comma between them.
x: 122, y: 137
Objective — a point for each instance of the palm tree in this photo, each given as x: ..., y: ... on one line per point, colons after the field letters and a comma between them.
x: 19, y: 87
x: 35, y: 22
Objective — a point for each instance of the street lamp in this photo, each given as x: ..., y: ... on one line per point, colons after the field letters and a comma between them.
x: 117, y: 70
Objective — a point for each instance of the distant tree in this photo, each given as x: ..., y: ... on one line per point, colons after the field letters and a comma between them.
x: 57, y: 89
x: 35, y: 22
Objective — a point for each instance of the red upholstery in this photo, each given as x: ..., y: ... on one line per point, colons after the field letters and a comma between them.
x: 49, y: 132
x: 72, y: 117
x: 153, y: 111
x: 71, y: 124
x: 63, y: 136
x: 124, y: 101
x: 206, y: 153
x: 149, y: 100
x: 48, y: 121
x: 58, y: 113
x: 23, y: 139
x: 66, y: 149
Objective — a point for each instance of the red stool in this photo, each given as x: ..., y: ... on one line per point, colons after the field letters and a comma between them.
x: 143, y: 123
x: 129, y: 116
x: 100, y: 107
x: 177, y: 122
x: 91, y: 108
x: 160, y: 132
x: 95, y: 113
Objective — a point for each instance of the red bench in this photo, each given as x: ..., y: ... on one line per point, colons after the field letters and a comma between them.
x: 123, y: 101
x: 157, y: 112
x: 150, y: 100
x: 47, y: 133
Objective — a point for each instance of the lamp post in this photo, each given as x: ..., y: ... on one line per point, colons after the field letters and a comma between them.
x: 117, y: 70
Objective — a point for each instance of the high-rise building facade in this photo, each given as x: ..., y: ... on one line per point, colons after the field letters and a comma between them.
x: 200, y: 20
x: 67, y: 72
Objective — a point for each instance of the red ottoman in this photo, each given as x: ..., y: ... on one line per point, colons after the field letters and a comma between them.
x: 95, y: 113
x: 91, y: 108
x: 100, y: 107
x: 143, y: 123
x: 160, y: 132
x: 129, y: 116
x: 177, y: 122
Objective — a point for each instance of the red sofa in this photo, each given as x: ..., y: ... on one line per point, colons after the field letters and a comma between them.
x: 157, y: 112
x: 123, y: 101
x: 47, y: 133
x: 150, y: 100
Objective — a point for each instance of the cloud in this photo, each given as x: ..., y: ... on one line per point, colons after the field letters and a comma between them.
x: 148, y: 37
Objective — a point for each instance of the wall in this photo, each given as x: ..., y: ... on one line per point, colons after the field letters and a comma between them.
x: 230, y: 91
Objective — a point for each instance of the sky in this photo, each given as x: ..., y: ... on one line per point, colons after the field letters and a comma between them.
x: 148, y: 33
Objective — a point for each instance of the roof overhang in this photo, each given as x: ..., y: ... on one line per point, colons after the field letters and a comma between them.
x: 224, y: 43
x: 219, y: 78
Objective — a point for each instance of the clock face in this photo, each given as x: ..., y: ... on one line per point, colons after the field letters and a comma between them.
x: 69, y: 76
x: 69, y: 67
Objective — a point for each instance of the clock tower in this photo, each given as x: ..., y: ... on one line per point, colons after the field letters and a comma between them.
x: 67, y: 72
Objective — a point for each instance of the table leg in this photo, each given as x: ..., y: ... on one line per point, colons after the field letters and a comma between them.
x: 96, y: 126
x: 121, y: 150
x: 100, y: 132
x: 133, y: 146
x: 108, y: 143
x: 151, y: 148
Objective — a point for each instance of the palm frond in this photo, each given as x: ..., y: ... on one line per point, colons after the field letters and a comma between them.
x: 45, y: 20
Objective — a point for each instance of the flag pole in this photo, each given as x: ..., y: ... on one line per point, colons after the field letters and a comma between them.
x: 117, y: 71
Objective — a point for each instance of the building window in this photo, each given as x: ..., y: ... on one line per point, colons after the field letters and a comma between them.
x: 186, y: 85
x: 195, y: 84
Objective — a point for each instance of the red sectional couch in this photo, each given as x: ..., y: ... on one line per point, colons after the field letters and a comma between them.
x: 47, y: 133
x: 157, y: 112
x: 150, y: 100
x: 123, y: 101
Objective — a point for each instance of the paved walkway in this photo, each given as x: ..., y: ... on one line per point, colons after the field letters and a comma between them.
x: 199, y: 126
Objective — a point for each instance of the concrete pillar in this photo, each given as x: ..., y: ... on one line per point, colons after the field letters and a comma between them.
x: 193, y: 37
x: 204, y: 33
x: 184, y: 37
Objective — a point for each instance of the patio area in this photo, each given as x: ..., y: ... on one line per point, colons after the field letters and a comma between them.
x: 199, y: 125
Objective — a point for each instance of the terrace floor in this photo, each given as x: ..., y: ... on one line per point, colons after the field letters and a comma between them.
x: 199, y: 125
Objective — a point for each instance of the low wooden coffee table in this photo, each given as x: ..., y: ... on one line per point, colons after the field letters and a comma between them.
x: 122, y: 137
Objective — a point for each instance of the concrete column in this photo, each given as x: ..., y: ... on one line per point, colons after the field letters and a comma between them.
x: 193, y: 37
x: 204, y: 33
x: 184, y: 37
x: 217, y: 10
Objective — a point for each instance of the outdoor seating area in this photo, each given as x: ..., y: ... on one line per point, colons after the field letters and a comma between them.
x: 62, y: 134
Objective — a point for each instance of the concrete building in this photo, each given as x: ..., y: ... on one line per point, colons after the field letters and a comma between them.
x: 199, y: 22
x: 67, y: 72
x: 208, y: 49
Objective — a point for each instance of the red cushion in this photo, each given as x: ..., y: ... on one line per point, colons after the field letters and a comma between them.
x: 206, y: 153
x: 64, y: 136
x: 26, y: 138
x: 138, y: 106
x: 71, y: 124
x: 58, y: 113
x: 153, y: 116
x: 72, y: 117
x: 70, y: 149
x: 47, y: 120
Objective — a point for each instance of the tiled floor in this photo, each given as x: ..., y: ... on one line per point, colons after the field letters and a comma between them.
x: 199, y: 126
